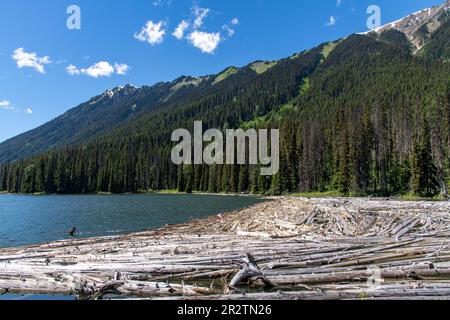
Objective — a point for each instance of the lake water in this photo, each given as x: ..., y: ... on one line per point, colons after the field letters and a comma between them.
x: 39, y: 219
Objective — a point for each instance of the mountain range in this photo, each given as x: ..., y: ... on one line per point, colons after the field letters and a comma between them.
x: 368, y: 113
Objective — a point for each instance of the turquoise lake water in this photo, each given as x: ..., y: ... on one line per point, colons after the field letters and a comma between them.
x: 39, y: 219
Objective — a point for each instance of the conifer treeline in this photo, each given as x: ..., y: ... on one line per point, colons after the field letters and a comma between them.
x: 372, y: 119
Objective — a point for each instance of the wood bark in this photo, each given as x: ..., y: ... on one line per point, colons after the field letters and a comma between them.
x: 303, y: 248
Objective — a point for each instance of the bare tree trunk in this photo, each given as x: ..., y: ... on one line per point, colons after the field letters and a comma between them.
x: 250, y: 271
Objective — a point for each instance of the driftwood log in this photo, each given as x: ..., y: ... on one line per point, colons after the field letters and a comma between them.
x: 251, y: 273
x: 293, y: 248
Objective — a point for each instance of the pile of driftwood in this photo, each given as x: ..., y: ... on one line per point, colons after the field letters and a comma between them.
x: 288, y: 248
x: 329, y: 218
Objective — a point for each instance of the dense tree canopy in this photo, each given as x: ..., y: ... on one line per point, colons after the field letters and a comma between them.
x: 364, y: 117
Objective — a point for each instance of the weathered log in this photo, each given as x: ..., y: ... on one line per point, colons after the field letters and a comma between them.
x: 325, y: 258
x: 250, y: 270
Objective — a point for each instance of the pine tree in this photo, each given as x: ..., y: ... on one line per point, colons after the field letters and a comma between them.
x: 190, y: 179
x: 382, y: 150
x: 226, y: 185
x: 447, y: 111
x: 243, y: 178
x: 416, y: 168
x: 189, y: 185
x: 50, y: 175
x: 212, y: 184
x: 275, y: 188
x: 424, y: 172
x: 61, y: 176
x: 234, y: 178
x: 362, y: 156
x: 438, y: 145
x: 181, y: 184
x: 255, y: 185
x: 4, y: 178
x: 40, y: 177
x: 344, y: 169
x: 394, y: 172
x: 405, y: 176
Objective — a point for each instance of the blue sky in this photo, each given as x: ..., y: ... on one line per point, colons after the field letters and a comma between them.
x: 46, y: 69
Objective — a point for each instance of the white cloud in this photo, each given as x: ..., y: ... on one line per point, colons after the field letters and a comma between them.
x: 229, y: 31
x: 206, y: 42
x: 73, y: 70
x: 162, y: 3
x: 331, y: 23
x: 200, y: 15
x: 180, y: 30
x: 152, y: 33
x: 30, y: 60
x: 5, y: 104
x: 121, y: 68
x: 100, y: 69
x: 338, y: 3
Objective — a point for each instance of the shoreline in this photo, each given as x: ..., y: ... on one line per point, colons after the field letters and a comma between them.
x: 166, y: 192
x: 305, y: 248
x: 317, y: 195
x: 404, y: 198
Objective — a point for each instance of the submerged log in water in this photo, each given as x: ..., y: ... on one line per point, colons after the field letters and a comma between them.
x: 294, y: 248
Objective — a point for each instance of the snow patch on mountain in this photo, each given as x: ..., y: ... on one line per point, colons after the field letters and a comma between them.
x: 417, y: 25
x: 111, y: 93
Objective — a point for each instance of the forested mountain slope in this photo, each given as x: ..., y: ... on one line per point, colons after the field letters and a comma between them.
x: 368, y: 114
x: 418, y: 27
x: 93, y: 117
x: 104, y: 113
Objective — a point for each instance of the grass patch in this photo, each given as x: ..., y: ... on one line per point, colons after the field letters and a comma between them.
x: 225, y: 74
x: 262, y: 66
x: 274, y: 115
x: 255, y: 123
x: 327, y: 49
x: 305, y: 86
x: 296, y: 55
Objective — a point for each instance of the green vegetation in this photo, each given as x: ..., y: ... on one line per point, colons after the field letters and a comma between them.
x: 371, y: 119
x: 328, y: 48
x: 305, y: 86
x: 437, y: 47
x: 262, y: 66
x: 273, y: 116
x: 395, y: 38
x: 224, y: 75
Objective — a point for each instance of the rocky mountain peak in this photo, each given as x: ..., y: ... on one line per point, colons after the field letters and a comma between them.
x: 419, y: 25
